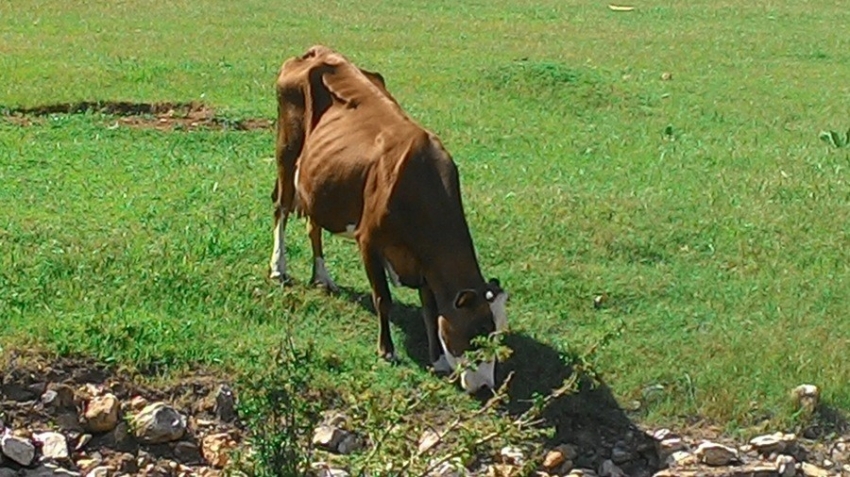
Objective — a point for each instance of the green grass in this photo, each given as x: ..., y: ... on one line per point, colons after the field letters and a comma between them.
x: 723, y: 246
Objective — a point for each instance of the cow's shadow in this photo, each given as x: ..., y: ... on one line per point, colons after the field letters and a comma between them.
x: 589, y: 417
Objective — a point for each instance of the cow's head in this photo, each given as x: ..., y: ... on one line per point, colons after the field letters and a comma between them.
x: 475, y: 312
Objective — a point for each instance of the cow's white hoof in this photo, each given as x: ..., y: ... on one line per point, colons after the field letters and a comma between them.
x: 389, y: 357
x: 321, y: 277
x: 281, y: 277
x: 328, y: 285
x: 442, y: 365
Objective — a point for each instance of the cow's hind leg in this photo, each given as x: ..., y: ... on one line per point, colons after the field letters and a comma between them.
x: 381, y: 298
x: 429, y: 314
x: 277, y: 264
x: 321, y: 277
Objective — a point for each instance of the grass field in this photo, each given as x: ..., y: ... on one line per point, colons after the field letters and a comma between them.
x: 704, y: 206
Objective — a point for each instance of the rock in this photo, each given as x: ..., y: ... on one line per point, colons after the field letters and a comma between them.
x: 770, y: 443
x: 335, y: 419
x: 50, y: 470
x: 667, y: 447
x: 82, y: 442
x: 158, y: 423
x: 88, y: 463
x: 811, y: 470
x: 681, y: 459
x: 68, y: 421
x: 17, y: 449
x: 187, y: 452
x: 715, y: 455
x: 786, y: 466
x: 666, y: 76
x: 59, y: 397
x: 428, y: 440
x: 620, y: 454
x: 121, y: 438
x: 136, y: 404
x: 349, y: 444
x: 7, y: 472
x: 511, y: 455
x: 806, y: 397
x: 99, y: 471
x: 581, y: 473
x: 101, y: 413
x: 663, y: 434
x: 840, y: 452
x: 610, y: 469
x: 554, y: 458
x: 53, y: 445
x: 328, y: 437
x: 216, y: 449
x: 225, y: 404
x: 503, y: 470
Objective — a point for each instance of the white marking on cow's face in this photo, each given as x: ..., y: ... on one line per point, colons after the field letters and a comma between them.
x: 471, y: 380
x: 321, y: 275
x: 500, y: 314
x: 277, y: 264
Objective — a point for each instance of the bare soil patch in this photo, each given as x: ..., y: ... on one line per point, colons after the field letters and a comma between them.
x: 163, y: 116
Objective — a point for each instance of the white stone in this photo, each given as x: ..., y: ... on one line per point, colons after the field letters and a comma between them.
x: 50, y: 470
x: 18, y: 449
x: 663, y: 434
x: 158, y: 423
x: 334, y: 439
x: 771, y: 443
x: 101, y: 413
x: 806, y: 396
x: 428, y: 440
x: 786, y: 466
x: 715, y: 455
x: 53, y: 445
x: 811, y: 470
x: 512, y: 455
x: 680, y: 459
x: 668, y: 446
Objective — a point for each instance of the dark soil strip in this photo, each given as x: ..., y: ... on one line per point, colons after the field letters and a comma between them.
x: 163, y: 116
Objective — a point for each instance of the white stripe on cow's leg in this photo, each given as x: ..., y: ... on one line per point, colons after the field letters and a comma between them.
x: 277, y: 264
x: 321, y: 276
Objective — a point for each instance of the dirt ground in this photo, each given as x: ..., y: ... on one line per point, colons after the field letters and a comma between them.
x: 26, y: 377
x: 163, y: 116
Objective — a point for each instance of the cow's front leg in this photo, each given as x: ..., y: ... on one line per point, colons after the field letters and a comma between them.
x: 277, y: 264
x: 429, y: 314
x: 381, y: 298
x: 320, y: 277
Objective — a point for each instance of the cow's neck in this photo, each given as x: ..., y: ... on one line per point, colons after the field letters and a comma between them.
x: 452, y: 273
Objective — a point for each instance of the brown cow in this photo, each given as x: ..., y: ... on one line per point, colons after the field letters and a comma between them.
x: 352, y: 162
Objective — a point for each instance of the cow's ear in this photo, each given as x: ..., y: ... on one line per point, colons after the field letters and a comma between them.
x: 464, y: 298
